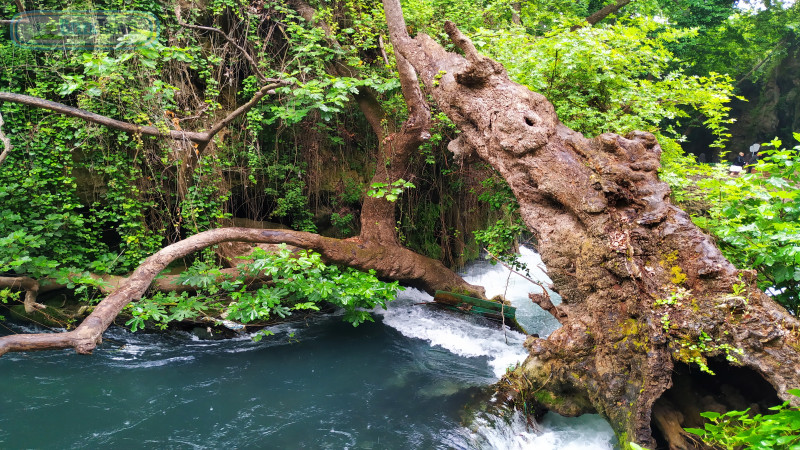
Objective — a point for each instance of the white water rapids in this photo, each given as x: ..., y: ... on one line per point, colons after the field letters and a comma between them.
x: 503, y: 349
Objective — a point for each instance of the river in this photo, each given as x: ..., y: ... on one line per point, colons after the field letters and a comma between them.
x: 417, y: 378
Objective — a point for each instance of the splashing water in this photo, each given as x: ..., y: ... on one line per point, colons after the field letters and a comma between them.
x: 502, y: 349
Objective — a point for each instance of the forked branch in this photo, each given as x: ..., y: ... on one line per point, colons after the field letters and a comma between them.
x: 29, y: 285
x: 200, y: 138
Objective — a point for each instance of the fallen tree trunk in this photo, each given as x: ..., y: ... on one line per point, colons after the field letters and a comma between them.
x: 392, y: 262
x: 648, y: 298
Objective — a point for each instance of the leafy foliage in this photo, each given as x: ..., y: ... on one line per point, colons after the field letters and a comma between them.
x: 390, y: 191
x: 738, y: 429
x: 298, y: 281
x: 756, y: 218
x: 618, y: 78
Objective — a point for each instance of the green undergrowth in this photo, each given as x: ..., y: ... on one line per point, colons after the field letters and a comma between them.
x: 756, y: 218
x: 296, y: 281
x: 736, y: 430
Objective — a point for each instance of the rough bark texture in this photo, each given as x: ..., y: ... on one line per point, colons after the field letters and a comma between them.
x: 606, y: 11
x: 396, y: 146
x: 392, y: 262
x: 614, y: 246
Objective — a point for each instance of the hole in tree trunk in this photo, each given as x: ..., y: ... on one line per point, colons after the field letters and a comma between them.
x: 694, y: 391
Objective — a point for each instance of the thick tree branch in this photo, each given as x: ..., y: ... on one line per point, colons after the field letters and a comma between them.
x: 29, y: 285
x: 268, y: 89
x: 603, y: 12
x: 613, y: 242
x: 606, y: 11
x: 101, y: 120
x: 389, y: 262
x: 396, y: 146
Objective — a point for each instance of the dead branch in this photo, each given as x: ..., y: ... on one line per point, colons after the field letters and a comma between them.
x: 383, y: 50
x: 245, y: 54
x: 543, y: 299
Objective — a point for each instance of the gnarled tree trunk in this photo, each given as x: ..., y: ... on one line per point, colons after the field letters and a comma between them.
x: 647, y: 295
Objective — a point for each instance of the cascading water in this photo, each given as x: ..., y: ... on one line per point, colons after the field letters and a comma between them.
x: 502, y: 349
x: 403, y: 382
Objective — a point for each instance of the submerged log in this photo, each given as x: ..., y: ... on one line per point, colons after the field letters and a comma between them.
x: 496, y: 309
x: 644, y: 290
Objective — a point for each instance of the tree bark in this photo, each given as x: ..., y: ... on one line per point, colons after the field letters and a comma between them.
x: 376, y: 247
x: 29, y: 285
x: 392, y: 262
x: 603, y: 12
x: 396, y: 146
x: 617, y: 251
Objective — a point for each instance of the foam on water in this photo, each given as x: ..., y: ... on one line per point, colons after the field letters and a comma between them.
x: 498, y: 280
x: 464, y: 337
x: 453, y: 332
x: 202, y: 379
x: 589, y: 432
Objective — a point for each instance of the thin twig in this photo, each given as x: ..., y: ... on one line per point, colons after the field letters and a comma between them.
x: 383, y: 50
x: 538, y: 283
x: 503, y: 307
x: 227, y: 37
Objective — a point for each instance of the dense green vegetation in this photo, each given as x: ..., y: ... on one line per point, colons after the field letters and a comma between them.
x: 756, y: 218
x: 299, y: 281
x: 738, y: 429
x: 79, y: 199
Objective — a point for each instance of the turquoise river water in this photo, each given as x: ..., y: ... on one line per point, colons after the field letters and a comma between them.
x: 417, y: 378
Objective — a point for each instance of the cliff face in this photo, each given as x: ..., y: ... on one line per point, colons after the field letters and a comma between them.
x: 771, y: 108
x: 774, y: 105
